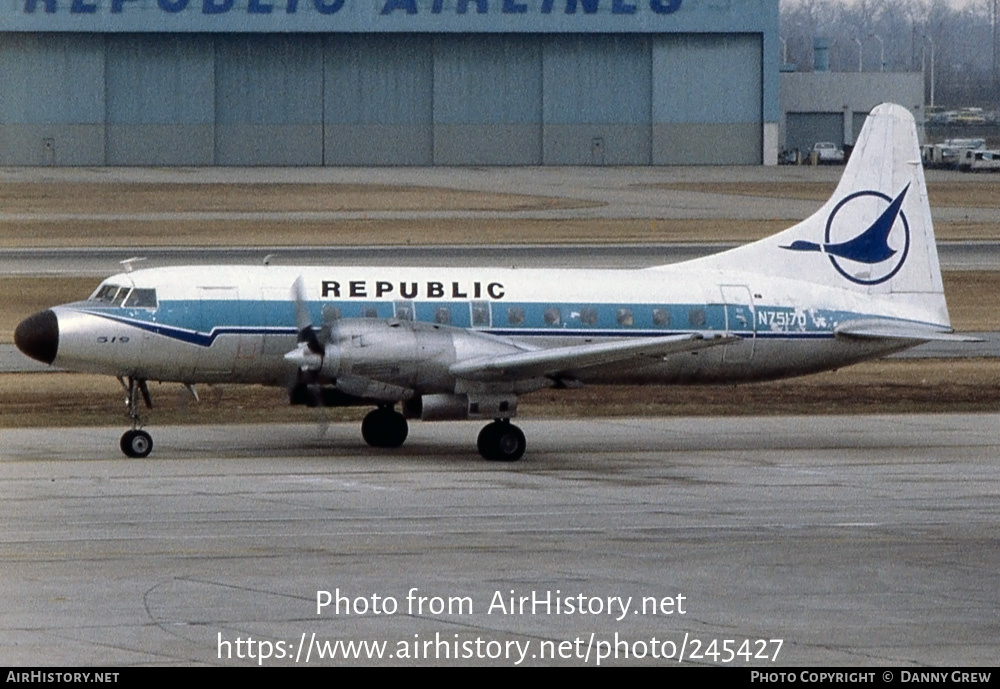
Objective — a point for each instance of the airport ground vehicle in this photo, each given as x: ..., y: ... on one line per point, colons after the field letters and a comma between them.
x: 827, y: 153
x: 948, y: 154
x: 979, y: 160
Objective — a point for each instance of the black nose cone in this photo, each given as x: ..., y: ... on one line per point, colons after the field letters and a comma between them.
x: 38, y: 336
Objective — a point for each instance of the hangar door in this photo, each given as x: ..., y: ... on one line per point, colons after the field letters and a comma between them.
x: 706, y: 102
x: 806, y: 128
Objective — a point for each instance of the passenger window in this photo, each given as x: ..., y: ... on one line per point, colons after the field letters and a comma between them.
x: 480, y: 313
x: 331, y: 313
x: 625, y: 317
x: 552, y: 316
x: 661, y: 317
x: 404, y: 310
x: 696, y: 317
x: 515, y: 315
x: 369, y: 312
x: 442, y: 314
x: 141, y: 299
x: 588, y: 315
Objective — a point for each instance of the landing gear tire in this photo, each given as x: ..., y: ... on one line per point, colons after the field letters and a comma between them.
x: 136, y: 444
x: 384, y: 427
x: 501, y: 441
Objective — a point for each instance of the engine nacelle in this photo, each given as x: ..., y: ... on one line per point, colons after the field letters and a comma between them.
x: 446, y: 407
x: 407, y: 354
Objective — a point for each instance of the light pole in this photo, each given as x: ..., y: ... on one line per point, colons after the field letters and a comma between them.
x: 881, y: 45
x: 931, y: 43
x: 861, y: 52
x: 994, y: 21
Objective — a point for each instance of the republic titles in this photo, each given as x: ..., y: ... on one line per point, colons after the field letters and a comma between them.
x: 330, y: 7
x: 411, y: 289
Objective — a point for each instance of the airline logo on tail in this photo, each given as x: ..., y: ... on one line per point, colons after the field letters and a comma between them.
x: 868, y: 257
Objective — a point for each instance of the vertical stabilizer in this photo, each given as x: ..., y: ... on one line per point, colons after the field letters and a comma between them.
x: 874, y: 235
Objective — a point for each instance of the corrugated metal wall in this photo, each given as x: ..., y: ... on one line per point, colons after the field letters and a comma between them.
x: 52, y: 106
x: 707, y: 104
x: 382, y: 99
x: 487, y: 100
x: 160, y: 100
x: 379, y: 100
x: 269, y: 100
x: 597, y: 100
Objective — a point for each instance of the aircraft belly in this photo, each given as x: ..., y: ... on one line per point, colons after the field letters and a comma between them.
x: 772, y: 359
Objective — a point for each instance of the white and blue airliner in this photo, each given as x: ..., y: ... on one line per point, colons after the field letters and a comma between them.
x: 859, y: 279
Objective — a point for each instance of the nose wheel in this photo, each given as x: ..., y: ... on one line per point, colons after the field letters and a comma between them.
x: 136, y: 444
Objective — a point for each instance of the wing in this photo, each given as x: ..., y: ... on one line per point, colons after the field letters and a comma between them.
x: 560, y: 360
x: 882, y: 329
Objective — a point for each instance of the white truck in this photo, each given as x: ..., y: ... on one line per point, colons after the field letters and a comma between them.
x: 827, y: 153
x: 949, y: 153
x: 979, y: 161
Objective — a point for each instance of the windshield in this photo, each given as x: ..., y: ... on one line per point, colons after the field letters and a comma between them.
x: 119, y: 295
x: 110, y: 295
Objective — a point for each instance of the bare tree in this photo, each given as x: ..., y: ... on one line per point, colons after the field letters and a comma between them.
x: 904, y: 35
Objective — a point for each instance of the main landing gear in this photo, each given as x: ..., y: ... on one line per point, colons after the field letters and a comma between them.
x: 501, y: 441
x: 136, y: 443
x: 384, y: 427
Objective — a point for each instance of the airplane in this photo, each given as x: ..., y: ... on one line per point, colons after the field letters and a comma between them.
x: 857, y: 280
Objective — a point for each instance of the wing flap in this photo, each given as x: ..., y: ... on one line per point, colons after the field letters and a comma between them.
x: 559, y: 360
x: 884, y: 329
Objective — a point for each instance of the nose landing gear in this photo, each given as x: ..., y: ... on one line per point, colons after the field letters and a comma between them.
x: 136, y: 443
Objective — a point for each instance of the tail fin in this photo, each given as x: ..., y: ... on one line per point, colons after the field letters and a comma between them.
x: 874, y: 235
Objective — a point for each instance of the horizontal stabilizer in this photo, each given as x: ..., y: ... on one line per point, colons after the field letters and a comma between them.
x: 553, y: 362
x: 898, y: 330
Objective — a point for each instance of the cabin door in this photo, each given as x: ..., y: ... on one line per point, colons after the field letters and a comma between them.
x: 740, y: 321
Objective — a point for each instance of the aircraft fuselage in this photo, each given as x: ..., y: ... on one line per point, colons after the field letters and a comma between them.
x: 236, y: 324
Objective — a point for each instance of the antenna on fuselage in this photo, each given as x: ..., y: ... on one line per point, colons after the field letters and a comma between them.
x: 129, y: 261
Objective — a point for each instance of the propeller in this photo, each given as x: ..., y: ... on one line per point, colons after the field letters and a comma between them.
x: 308, y: 354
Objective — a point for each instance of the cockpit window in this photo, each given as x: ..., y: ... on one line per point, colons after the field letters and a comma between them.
x: 141, y: 299
x: 118, y: 295
x: 110, y: 295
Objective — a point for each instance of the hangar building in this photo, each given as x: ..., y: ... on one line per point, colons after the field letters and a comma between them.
x: 388, y: 82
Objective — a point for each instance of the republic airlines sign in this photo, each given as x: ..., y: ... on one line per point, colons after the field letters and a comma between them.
x: 360, y: 15
x: 334, y: 6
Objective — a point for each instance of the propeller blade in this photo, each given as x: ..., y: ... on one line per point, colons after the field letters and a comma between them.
x: 308, y: 356
x: 303, y: 321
